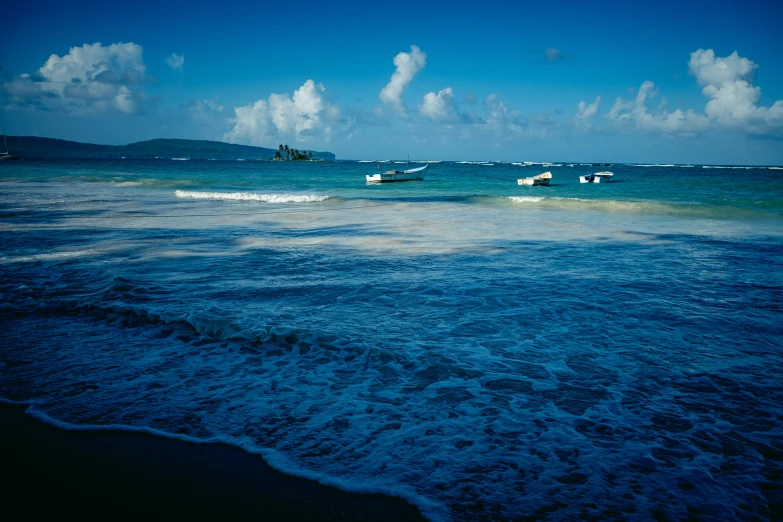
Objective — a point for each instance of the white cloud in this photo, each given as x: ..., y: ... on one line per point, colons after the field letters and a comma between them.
x: 733, y: 100
x: 710, y: 70
x: 494, y: 118
x: 88, y: 78
x: 176, y: 61
x: 585, y: 113
x: 96, y: 63
x: 301, y: 116
x: 440, y: 108
x: 728, y: 83
x: 124, y: 101
x: 634, y: 116
x: 500, y: 119
x: 408, y: 65
x: 204, y: 112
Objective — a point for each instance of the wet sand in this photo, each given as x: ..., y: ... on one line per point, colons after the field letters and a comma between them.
x: 49, y: 471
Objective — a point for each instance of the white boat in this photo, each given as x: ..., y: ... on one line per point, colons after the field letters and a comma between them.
x: 398, y: 175
x: 542, y: 179
x: 598, y: 177
x: 7, y: 155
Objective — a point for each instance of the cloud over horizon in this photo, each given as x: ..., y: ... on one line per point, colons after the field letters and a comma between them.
x: 440, y: 107
x: 732, y: 103
x: 586, y: 112
x: 635, y: 115
x: 408, y: 65
x: 302, y: 116
x: 89, y: 78
x: 728, y: 83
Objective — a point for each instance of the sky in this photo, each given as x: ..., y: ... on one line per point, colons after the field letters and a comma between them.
x: 615, y: 81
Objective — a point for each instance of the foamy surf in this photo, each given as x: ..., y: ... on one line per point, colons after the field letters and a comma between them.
x: 683, y: 210
x: 526, y: 199
x: 738, y: 167
x: 250, y: 196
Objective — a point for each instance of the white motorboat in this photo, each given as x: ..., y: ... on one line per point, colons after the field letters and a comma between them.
x: 398, y: 175
x: 598, y: 177
x: 541, y: 179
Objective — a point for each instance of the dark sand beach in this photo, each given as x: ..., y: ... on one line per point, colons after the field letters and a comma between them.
x: 103, y: 473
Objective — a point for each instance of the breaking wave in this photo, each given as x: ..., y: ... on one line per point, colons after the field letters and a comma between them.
x: 526, y: 199
x: 250, y: 196
x: 655, y: 165
x: 739, y: 167
x: 693, y: 210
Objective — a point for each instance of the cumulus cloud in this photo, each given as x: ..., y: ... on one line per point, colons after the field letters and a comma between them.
x: 408, y: 65
x: 585, y: 113
x: 728, y: 83
x: 301, y: 116
x: 440, y: 107
x: 176, y: 61
x: 733, y: 102
x: 635, y: 115
x: 88, y: 78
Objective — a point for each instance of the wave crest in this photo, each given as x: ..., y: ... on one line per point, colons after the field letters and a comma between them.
x: 250, y: 196
x: 694, y: 210
x: 526, y: 199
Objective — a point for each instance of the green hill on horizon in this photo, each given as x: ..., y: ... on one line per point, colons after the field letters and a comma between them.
x: 34, y: 147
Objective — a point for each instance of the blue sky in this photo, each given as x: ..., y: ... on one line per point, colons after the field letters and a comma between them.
x: 569, y: 81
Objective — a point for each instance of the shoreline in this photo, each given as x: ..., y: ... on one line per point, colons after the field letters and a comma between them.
x: 99, y: 472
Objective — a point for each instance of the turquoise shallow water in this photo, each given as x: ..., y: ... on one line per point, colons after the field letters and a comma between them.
x: 482, y: 349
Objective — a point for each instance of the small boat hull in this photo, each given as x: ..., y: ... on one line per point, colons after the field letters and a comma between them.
x: 598, y: 177
x: 398, y: 175
x: 536, y: 181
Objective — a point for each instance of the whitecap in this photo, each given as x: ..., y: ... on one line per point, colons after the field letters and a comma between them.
x: 50, y: 256
x: 250, y: 196
x: 526, y: 199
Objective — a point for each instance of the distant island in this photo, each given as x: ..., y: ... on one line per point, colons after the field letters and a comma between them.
x: 294, y: 154
x: 34, y: 147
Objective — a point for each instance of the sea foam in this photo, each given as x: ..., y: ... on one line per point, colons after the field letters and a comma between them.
x: 250, y: 196
x: 526, y: 199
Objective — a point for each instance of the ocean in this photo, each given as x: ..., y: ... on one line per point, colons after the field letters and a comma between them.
x: 481, y: 349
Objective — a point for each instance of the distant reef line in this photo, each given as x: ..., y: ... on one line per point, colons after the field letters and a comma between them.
x: 34, y: 147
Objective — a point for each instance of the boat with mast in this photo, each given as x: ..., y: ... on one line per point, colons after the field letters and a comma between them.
x: 6, y: 155
x: 416, y: 174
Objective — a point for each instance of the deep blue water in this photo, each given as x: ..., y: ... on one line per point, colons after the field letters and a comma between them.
x: 482, y: 349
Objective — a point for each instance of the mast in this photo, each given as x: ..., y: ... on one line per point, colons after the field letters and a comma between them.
x: 6, y: 143
x: 406, y: 163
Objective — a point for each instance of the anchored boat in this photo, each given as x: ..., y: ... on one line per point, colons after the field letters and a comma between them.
x: 598, y: 177
x: 6, y: 155
x: 398, y: 175
x: 542, y: 179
